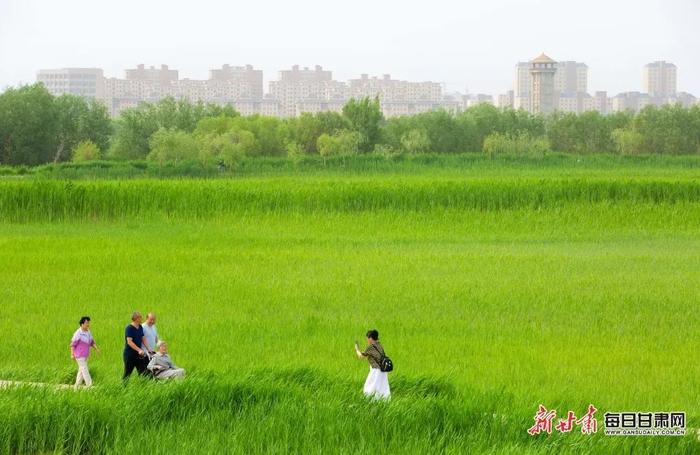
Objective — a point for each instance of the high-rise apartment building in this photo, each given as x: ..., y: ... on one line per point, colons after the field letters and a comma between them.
x: 659, y: 79
x: 162, y: 75
x: 310, y: 86
x: 602, y: 103
x: 630, y: 101
x: 398, y: 97
x: 570, y: 78
x: 226, y: 85
x: 388, y: 89
x: 542, y: 94
x: 521, y: 86
x: 236, y: 82
x: 140, y: 85
x: 505, y: 100
x: 86, y: 82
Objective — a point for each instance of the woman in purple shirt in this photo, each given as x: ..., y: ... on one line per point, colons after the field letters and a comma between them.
x: 80, y: 346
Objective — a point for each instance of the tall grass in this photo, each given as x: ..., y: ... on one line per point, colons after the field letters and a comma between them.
x: 59, y: 200
x: 493, y: 294
x: 288, y: 411
x: 373, y: 163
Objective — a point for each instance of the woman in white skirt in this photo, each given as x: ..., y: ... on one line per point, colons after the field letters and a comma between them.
x: 377, y: 383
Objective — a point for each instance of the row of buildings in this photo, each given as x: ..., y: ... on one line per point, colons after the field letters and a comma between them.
x: 544, y: 85
x: 296, y: 90
x: 541, y: 85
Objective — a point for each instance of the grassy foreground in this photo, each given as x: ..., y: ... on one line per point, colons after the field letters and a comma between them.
x: 576, y: 291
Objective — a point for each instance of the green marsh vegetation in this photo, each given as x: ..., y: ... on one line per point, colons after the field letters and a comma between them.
x: 496, y: 286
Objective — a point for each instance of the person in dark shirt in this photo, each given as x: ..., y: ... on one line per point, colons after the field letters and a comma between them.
x: 134, y: 355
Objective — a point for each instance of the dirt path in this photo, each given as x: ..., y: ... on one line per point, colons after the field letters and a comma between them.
x: 8, y: 384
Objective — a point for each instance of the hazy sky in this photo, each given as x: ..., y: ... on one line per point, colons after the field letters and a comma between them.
x: 465, y: 44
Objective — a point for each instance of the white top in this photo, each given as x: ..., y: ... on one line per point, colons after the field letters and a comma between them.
x: 150, y: 333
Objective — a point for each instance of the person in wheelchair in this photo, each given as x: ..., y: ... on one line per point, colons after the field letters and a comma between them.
x: 161, y: 366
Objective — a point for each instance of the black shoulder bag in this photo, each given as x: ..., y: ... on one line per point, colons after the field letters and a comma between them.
x: 385, y: 363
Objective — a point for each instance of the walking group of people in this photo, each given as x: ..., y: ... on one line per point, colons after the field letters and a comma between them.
x: 146, y: 353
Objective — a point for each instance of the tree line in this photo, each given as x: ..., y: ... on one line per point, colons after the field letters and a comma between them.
x: 38, y: 128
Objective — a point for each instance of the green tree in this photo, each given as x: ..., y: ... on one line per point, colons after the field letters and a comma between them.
x: 28, y: 125
x: 295, y: 152
x: 172, y: 145
x: 469, y: 139
x: 79, y: 120
x: 627, y: 141
x: 394, y: 128
x: 332, y: 122
x: 415, y: 141
x: 365, y: 118
x: 135, y: 126
x: 230, y: 147
x: 85, y: 151
x: 667, y: 130
x: 271, y: 133
x: 343, y: 143
x: 517, y: 122
x: 306, y: 129
x: 441, y: 128
x: 133, y: 129
x: 216, y: 125
x: 485, y: 119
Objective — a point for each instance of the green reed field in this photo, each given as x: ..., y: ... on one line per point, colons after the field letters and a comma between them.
x: 493, y: 292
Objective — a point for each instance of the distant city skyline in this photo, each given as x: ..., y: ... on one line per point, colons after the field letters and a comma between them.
x: 634, y: 84
x: 541, y: 86
x: 579, y: 78
x: 466, y: 47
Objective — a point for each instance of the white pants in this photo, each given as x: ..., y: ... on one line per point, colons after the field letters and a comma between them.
x: 172, y: 373
x: 377, y: 384
x: 83, y: 373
